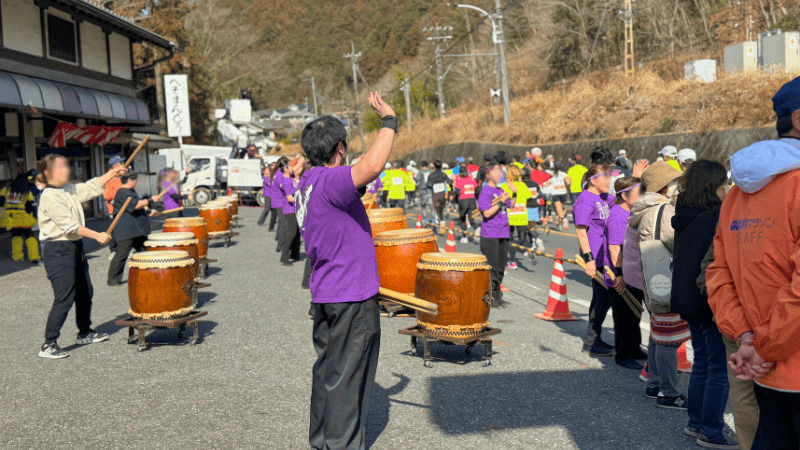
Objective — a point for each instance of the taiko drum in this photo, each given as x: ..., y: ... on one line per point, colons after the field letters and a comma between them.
x: 386, y: 219
x: 194, y: 225
x: 233, y: 203
x: 398, y: 252
x: 184, y: 241
x: 160, y: 284
x: 460, y: 284
x: 217, y: 217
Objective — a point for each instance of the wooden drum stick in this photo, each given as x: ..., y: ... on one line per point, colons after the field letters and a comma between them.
x: 119, y: 214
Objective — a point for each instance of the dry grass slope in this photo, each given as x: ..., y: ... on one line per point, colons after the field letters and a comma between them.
x: 604, y: 105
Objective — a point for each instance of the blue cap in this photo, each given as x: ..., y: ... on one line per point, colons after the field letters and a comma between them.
x: 116, y: 160
x: 460, y: 159
x: 787, y: 100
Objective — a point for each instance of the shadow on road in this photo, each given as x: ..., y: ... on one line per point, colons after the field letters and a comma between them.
x: 380, y: 403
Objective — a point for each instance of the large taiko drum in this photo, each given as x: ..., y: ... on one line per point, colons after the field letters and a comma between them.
x: 183, y: 241
x: 460, y: 284
x: 398, y: 252
x: 233, y: 203
x: 386, y: 219
x: 160, y: 284
x: 217, y: 217
x: 194, y: 225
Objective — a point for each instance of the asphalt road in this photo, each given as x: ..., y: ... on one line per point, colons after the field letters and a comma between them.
x: 246, y: 384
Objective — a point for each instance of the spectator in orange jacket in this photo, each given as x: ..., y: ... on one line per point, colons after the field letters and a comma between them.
x: 109, y: 193
x: 754, y: 281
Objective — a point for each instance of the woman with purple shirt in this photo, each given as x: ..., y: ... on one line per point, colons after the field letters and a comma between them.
x: 269, y: 175
x: 495, y: 230
x: 344, y: 280
x: 590, y: 213
x: 627, y: 334
x: 290, y: 251
x: 172, y: 197
x: 278, y: 200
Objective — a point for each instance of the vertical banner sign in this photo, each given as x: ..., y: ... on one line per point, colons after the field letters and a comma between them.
x: 176, y: 90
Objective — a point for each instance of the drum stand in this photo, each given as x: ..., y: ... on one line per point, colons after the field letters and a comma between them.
x: 484, y: 338
x: 196, y: 291
x: 144, y: 326
x: 227, y: 237
x: 235, y: 221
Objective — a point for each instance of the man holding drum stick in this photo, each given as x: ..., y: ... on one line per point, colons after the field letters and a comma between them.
x: 344, y: 281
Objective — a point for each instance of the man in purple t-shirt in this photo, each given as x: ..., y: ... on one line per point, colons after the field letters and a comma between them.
x: 344, y: 280
x: 495, y: 230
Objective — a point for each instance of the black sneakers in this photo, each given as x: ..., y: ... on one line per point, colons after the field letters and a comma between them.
x: 725, y: 442
x: 91, y: 337
x: 597, y: 350
x: 52, y: 351
x: 678, y: 402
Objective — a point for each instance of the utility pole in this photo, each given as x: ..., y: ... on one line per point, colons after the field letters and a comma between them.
x: 313, y: 93
x: 407, y: 95
x: 353, y: 56
x: 501, y: 41
x: 627, y: 18
x: 440, y: 36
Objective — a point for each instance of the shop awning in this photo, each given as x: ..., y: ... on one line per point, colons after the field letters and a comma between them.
x: 20, y: 91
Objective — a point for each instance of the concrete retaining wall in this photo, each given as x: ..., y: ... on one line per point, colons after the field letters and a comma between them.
x: 709, y: 145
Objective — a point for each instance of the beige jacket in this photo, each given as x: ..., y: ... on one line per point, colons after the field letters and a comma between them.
x: 61, y: 212
x: 643, y: 220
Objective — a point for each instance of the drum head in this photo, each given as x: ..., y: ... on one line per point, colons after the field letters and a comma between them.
x: 164, y: 239
x: 185, y: 221
x: 460, y: 262
x: 406, y: 236
x: 163, y: 259
x: 212, y: 206
x: 384, y: 215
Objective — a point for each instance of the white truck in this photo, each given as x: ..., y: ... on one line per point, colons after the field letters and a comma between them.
x: 207, y: 171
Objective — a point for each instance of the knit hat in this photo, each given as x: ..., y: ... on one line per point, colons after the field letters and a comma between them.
x: 658, y: 175
x: 536, y: 151
x: 488, y: 157
x: 622, y: 153
x: 787, y: 100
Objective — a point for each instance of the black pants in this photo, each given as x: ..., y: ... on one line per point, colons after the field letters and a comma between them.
x: 306, y: 283
x: 494, y: 249
x: 439, y: 202
x: 117, y: 266
x: 265, y: 212
x: 627, y: 333
x: 347, y: 339
x: 385, y: 199
x: 778, y: 421
x: 397, y: 203
x: 68, y: 272
x: 602, y: 301
x: 522, y: 239
x: 281, y: 234
x: 291, y: 239
x: 465, y: 208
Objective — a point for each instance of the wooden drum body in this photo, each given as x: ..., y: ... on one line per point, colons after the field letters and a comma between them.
x: 398, y: 252
x: 160, y: 284
x: 217, y: 217
x: 233, y: 203
x: 460, y: 284
x: 175, y: 241
x: 194, y: 225
x: 386, y: 219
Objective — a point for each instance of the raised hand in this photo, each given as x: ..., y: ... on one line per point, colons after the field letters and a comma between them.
x: 639, y: 168
x: 379, y: 106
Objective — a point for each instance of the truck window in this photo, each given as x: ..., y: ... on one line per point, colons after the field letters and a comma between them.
x: 199, y: 164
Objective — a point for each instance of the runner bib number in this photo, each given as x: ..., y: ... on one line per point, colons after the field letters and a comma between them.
x: 469, y: 189
x: 397, y: 181
x: 438, y: 188
x: 518, y: 210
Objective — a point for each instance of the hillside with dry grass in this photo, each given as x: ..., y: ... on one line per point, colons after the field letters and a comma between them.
x: 600, y: 107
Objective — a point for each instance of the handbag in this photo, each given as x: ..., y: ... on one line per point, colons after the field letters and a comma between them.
x: 657, y: 268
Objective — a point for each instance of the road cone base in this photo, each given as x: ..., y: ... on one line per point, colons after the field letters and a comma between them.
x: 556, y: 317
x: 685, y: 367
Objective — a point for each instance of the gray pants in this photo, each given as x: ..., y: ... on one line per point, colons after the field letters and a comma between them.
x: 347, y: 339
x: 426, y: 205
x: 662, y: 368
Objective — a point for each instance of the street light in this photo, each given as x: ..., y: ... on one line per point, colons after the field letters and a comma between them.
x: 497, y: 39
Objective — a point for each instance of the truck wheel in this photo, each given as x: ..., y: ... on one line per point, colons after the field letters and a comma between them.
x: 202, y: 195
x: 260, y: 199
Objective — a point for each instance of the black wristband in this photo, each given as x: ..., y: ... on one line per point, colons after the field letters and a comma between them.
x: 389, y: 122
x: 618, y: 271
x: 587, y: 257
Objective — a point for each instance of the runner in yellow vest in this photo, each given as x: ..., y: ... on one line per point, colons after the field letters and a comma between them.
x: 395, y: 182
x: 518, y: 215
x: 575, y: 175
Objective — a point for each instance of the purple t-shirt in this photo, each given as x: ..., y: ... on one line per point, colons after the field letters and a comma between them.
x: 338, y: 237
x: 592, y: 211
x: 496, y: 226
x: 616, y: 225
x: 278, y: 200
x: 169, y: 202
x: 287, y: 187
x: 266, y: 189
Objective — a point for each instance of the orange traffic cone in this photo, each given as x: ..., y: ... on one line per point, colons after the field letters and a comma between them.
x: 557, y: 303
x: 450, y: 246
x: 684, y: 365
x: 419, y: 220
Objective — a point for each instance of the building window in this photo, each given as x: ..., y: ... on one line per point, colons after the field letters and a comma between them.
x: 61, y: 39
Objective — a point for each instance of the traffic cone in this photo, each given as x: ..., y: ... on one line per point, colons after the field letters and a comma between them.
x: 684, y: 365
x: 557, y: 303
x: 450, y: 246
x: 419, y: 220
